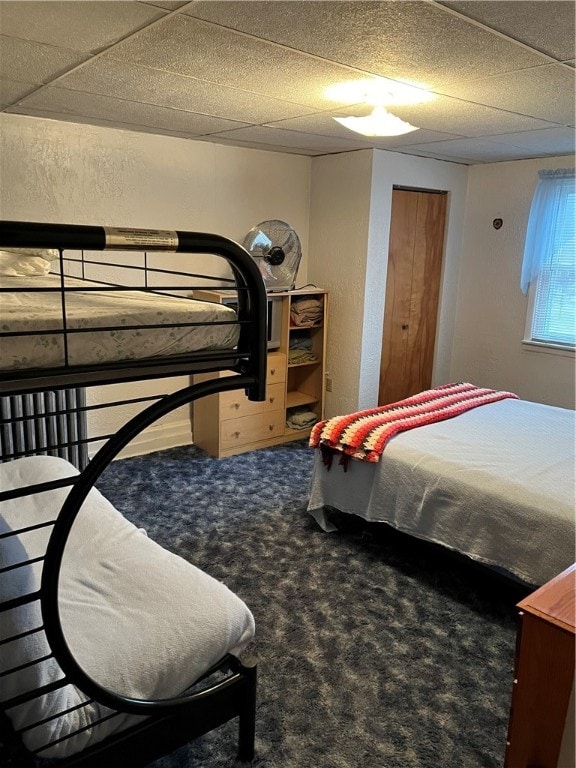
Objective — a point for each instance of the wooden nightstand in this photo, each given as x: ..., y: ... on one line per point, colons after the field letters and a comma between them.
x: 541, y: 727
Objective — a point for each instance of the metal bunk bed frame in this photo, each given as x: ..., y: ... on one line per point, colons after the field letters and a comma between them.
x: 170, y: 723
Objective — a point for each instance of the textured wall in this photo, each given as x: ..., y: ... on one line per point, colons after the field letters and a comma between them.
x: 80, y: 174
x: 491, y: 311
x: 339, y: 231
x: 349, y: 232
x: 54, y: 171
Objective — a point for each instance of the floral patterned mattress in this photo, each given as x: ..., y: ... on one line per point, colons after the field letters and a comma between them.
x: 115, y: 325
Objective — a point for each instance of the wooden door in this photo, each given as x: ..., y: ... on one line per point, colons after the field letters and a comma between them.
x: 412, y: 293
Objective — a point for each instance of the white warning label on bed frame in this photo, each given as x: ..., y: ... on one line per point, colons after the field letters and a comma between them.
x: 141, y: 239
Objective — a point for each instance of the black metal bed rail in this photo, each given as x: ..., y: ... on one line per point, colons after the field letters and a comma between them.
x: 191, y: 713
x: 249, y: 355
x: 147, y: 269
x: 41, y: 379
x: 165, y: 724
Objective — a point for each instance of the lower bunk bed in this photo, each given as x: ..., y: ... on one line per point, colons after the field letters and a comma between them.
x: 477, y: 471
x: 113, y: 650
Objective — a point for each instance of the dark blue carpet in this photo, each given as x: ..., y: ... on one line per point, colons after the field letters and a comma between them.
x: 374, y: 650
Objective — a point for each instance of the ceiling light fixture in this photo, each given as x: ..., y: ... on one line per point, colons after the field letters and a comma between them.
x: 379, y: 122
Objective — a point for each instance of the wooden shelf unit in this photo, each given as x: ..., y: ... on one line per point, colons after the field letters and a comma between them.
x: 228, y: 423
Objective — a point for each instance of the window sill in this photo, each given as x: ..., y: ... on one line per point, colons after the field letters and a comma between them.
x: 547, y: 348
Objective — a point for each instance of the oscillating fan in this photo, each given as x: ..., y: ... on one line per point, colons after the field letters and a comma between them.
x: 275, y: 247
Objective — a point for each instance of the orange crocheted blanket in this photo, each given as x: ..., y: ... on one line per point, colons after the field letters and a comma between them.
x: 364, y: 434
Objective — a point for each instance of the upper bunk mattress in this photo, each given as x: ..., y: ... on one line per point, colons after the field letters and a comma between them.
x: 122, y: 316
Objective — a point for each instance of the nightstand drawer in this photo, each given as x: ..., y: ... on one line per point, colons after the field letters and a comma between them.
x: 234, y: 404
x: 251, y: 429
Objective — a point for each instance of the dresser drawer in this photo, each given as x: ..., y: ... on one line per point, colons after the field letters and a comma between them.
x: 251, y: 429
x: 276, y: 368
x: 234, y: 404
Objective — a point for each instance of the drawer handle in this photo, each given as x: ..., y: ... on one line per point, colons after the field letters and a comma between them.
x: 236, y: 405
x: 271, y: 400
x: 272, y: 371
x: 270, y: 427
x: 236, y: 434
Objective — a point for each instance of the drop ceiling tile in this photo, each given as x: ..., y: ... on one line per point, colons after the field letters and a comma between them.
x: 437, y: 156
x: 465, y: 117
x: 445, y: 118
x: 205, y: 51
x: 75, y: 103
x: 294, y: 139
x: 323, y: 124
x: 547, y: 26
x: 219, y: 139
x: 79, y: 26
x: 475, y: 150
x: 34, y: 62
x: 83, y: 120
x: 169, y: 5
x: 553, y: 141
x: 455, y: 118
x: 414, y: 41
x: 150, y: 86
x: 12, y: 90
x: 545, y: 92
x: 409, y: 139
x: 216, y: 70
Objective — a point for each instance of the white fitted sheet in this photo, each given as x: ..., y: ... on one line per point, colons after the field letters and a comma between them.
x: 495, y: 483
x: 42, y: 311
x: 140, y: 620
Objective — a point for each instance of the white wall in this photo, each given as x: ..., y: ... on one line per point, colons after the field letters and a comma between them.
x: 340, y: 206
x: 351, y: 201
x: 69, y: 173
x: 339, y: 235
x: 491, y: 310
x: 82, y: 174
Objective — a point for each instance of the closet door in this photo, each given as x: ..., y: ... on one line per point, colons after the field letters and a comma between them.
x: 412, y: 293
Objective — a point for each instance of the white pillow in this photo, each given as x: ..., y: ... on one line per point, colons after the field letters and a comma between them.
x: 26, y: 262
x: 139, y: 619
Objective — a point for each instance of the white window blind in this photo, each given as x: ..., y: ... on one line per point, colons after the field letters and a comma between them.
x: 550, y: 260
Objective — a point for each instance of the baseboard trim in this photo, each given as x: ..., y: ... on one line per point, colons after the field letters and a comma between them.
x: 156, y: 438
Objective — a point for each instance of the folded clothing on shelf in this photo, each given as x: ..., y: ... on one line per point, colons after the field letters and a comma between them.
x: 307, y: 310
x: 300, y: 339
x: 301, y: 418
x: 300, y: 356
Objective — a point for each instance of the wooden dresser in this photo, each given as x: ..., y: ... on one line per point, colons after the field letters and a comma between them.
x: 228, y: 423
x: 541, y: 727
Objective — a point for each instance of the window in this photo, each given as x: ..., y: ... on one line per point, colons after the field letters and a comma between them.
x: 549, y: 266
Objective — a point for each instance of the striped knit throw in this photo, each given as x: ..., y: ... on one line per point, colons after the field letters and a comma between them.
x: 363, y: 435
